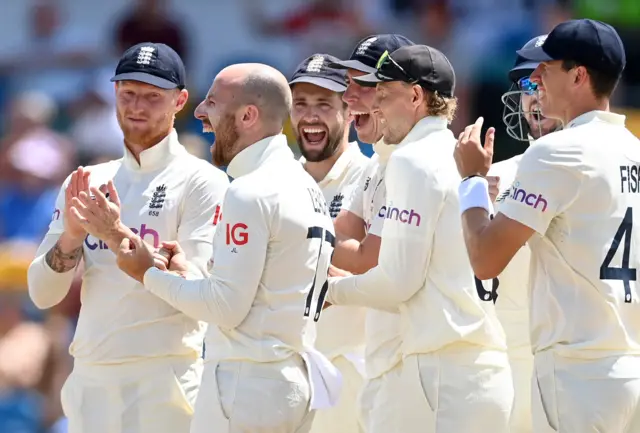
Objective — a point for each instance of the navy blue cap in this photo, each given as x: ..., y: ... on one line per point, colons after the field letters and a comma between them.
x: 524, y: 67
x: 588, y: 42
x: 155, y: 64
x: 369, y: 50
x: 317, y: 70
x: 414, y: 64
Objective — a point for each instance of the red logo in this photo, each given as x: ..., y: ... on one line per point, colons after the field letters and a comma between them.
x: 217, y: 216
x: 237, y: 234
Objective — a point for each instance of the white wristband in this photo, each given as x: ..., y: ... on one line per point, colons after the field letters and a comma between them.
x: 474, y: 192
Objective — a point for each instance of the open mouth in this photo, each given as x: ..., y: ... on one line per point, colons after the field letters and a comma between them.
x: 207, y: 127
x: 361, y: 119
x: 313, y: 135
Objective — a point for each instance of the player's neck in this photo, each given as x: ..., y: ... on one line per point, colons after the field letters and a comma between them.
x: 136, y: 148
x: 576, y: 110
x: 319, y: 170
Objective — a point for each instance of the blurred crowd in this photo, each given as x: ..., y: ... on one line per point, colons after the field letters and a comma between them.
x: 57, y: 112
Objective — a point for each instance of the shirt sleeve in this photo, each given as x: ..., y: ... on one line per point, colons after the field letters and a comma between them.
x: 415, y: 198
x: 240, y: 250
x: 355, y: 202
x: 377, y: 223
x: 47, y: 287
x: 200, y: 215
x: 548, y: 180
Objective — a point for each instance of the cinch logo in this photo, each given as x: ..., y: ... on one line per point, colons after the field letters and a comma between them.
x: 402, y: 215
x: 147, y: 234
x: 532, y: 200
x: 237, y: 234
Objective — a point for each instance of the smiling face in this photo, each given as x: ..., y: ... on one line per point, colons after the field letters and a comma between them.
x: 146, y: 112
x: 319, y: 119
x: 539, y: 125
x: 554, y: 88
x: 360, y: 101
x: 394, y: 106
x: 218, y: 115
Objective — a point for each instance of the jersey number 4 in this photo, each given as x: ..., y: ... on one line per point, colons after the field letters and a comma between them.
x: 624, y: 273
x: 322, y: 269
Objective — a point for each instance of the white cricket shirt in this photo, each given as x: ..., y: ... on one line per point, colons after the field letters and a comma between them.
x: 510, y: 291
x: 270, y: 260
x: 170, y: 195
x: 578, y: 189
x: 382, y: 329
x: 423, y: 269
x: 341, y: 330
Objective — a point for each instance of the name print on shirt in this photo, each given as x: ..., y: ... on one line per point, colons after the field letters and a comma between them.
x: 318, y: 201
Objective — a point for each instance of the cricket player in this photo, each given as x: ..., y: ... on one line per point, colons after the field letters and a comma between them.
x: 455, y: 374
x: 359, y: 225
x: 572, y: 201
x: 137, y: 358
x: 508, y: 291
x: 320, y: 121
x: 269, y: 268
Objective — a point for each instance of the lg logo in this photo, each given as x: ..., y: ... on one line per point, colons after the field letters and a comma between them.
x: 237, y: 234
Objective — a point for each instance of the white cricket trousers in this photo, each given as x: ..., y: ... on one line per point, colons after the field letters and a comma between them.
x: 460, y: 389
x: 522, y: 370
x: 150, y: 396
x: 375, y: 409
x: 586, y: 395
x: 343, y: 417
x: 252, y: 397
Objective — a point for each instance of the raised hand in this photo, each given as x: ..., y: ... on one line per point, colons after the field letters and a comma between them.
x: 471, y: 158
x: 79, y: 182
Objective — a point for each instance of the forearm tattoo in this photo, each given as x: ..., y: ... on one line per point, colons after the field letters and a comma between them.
x: 60, y: 261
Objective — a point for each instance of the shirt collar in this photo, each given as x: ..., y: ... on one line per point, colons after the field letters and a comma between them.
x: 384, y: 151
x: 597, y: 115
x: 342, y: 163
x: 423, y: 127
x: 252, y: 157
x: 156, y: 156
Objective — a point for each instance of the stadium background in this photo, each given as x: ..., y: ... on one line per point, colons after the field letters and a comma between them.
x: 56, y: 111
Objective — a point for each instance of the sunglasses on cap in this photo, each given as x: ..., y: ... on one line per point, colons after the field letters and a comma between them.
x: 527, y: 86
x: 389, y: 68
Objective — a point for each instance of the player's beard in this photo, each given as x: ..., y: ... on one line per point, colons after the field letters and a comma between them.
x: 334, y: 139
x: 146, y: 137
x: 226, y: 139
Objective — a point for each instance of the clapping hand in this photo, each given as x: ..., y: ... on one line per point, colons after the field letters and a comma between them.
x: 99, y: 215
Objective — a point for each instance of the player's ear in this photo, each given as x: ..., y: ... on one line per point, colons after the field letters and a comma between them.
x: 181, y: 100
x: 419, y: 95
x: 250, y: 115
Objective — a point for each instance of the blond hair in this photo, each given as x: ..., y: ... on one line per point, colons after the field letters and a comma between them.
x: 441, y: 106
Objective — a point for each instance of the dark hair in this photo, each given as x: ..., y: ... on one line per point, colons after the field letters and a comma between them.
x: 602, y: 83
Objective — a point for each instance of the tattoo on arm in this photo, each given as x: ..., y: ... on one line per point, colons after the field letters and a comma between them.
x: 60, y: 261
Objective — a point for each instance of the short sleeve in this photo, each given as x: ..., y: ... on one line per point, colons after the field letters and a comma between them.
x: 548, y: 180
